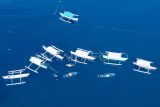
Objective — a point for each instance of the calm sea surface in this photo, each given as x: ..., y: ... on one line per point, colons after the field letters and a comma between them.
x: 104, y: 25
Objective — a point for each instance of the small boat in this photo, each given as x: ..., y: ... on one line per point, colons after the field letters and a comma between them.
x: 53, y: 51
x: 16, y: 77
x: 70, y: 74
x: 70, y: 65
x: 141, y: 63
x: 114, y: 58
x: 68, y: 17
x: 81, y: 56
x: 38, y: 61
x: 106, y: 75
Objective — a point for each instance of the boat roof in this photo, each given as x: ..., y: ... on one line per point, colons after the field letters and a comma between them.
x: 80, y: 52
x: 83, y: 55
x: 68, y: 14
x: 114, y: 54
x: 109, y: 52
x: 142, y: 60
x: 52, y: 50
x: 36, y: 61
x: 84, y: 50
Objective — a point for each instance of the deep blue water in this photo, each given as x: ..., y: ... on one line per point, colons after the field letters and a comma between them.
x: 130, y: 26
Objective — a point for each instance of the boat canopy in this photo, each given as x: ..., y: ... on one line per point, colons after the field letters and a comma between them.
x: 54, y: 51
x: 115, y: 56
x: 143, y: 62
x: 68, y: 14
x: 36, y: 61
x: 68, y: 17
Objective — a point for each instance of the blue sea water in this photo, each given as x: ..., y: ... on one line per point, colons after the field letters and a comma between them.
x: 114, y: 25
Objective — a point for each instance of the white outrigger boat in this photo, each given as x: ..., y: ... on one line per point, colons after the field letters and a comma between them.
x: 38, y: 61
x: 141, y: 63
x: 81, y: 56
x: 114, y: 58
x: 68, y: 17
x: 53, y: 52
x: 16, y: 77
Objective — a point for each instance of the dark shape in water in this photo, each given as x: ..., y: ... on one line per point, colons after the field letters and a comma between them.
x: 70, y: 74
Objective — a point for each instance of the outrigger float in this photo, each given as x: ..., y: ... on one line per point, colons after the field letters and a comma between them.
x: 141, y: 63
x: 16, y: 77
x: 68, y: 17
x: 114, y: 58
x: 81, y: 56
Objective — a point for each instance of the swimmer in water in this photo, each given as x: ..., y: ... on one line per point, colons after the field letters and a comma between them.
x: 55, y: 76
